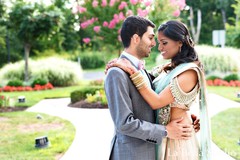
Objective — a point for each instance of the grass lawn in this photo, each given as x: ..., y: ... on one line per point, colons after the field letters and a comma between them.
x: 18, y: 131
x: 227, y: 92
x: 225, y: 125
x: 225, y: 131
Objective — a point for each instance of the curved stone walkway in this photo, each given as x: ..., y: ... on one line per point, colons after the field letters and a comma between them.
x: 94, y: 128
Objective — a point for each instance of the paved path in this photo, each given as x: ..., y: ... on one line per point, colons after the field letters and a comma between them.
x: 93, y: 75
x: 94, y: 128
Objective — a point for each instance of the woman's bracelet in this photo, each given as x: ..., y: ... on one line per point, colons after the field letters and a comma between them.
x: 138, y: 80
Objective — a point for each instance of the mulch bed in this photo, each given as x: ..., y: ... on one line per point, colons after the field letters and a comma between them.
x: 84, y: 104
x: 12, y: 109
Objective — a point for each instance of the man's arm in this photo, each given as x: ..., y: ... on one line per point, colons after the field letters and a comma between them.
x: 121, y: 109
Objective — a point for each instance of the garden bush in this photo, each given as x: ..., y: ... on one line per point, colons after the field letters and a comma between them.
x: 212, y: 77
x: 81, y: 94
x: 231, y: 77
x: 92, y: 61
x: 224, y: 60
x: 58, y: 72
x: 13, y: 71
x: 39, y: 81
x: 15, y: 83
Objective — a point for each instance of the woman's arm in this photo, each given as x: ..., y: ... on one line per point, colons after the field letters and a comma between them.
x: 186, y: 80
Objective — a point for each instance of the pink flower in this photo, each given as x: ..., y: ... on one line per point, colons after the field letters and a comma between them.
x: 81, y: 9
x: 122, y: 5
x: 148, y: 3
x: 182, y: 4
x: 142, y: 13
x: 105, y: 24
x: 116, y: 18
x: 97, y: 29
x: 86, y: 23
x: 112, y: 2
x: 95, y: 3
x: 86, y: 40
x: 121, y: 16
x: 104, y: 3
x: 179, y: 3
x: 134, y: 2
x: 129, y: 13
x: 176, y: 13
x: 112, y: 24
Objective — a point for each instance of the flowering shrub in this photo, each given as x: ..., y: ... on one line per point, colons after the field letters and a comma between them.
x: 220, y: 82
x: 27, y: 88
x: 3, y: 101
x: 100, y: 20
x: 99, y: 96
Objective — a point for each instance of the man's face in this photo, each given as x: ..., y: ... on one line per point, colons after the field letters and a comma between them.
x: 146, y: 43
x: 168, y: 47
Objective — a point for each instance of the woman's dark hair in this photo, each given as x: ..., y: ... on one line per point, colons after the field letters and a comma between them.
x: 134, y: 25
x: 177, y: 31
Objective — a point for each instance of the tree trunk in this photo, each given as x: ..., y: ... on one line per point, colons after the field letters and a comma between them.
x: 195, y: 33
x: 199, y: 24
x: 191, y: 22
x: 224, y: 19
x: 236, y: 22
x: 27, y: 48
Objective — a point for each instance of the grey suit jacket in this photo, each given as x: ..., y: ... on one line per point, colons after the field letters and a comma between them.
x: 135, y: 132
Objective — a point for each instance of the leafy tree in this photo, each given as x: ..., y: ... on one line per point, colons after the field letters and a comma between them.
x: 165, y: 10
x: 224, y: 7
x: 233, y: 31
x: 32, y: 22
x: 69, y: 30
x: 2, y: 34
x: 205, y: 16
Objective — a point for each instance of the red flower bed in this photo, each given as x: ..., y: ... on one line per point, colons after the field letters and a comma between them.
x: 27, y: 88
x: 220, y: 82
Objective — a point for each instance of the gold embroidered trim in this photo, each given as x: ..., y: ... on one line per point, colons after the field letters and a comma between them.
x: 182, y: 98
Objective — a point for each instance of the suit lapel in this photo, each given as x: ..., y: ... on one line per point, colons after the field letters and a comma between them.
x: 150, y: 80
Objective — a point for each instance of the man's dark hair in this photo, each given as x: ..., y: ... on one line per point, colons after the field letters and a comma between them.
x: 134, y: 25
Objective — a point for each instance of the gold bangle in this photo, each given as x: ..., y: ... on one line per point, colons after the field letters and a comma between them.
x: 138, y: 80
x: 143, y: 85
x: 135, y: 74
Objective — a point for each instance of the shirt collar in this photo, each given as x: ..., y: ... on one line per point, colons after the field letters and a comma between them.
x: 133, y: 59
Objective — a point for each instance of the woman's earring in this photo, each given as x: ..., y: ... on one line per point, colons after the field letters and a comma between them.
x: 180, y: 49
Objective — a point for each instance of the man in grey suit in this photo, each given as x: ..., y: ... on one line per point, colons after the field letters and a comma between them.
x: 136, y: 133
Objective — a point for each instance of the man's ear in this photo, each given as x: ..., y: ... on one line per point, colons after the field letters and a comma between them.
x: 135, y: 38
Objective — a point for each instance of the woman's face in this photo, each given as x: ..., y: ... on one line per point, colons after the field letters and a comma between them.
x: 168, y: 47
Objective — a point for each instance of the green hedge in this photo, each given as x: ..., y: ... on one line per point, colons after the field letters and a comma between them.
x: 92, y: 61
x: 81, y: 94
